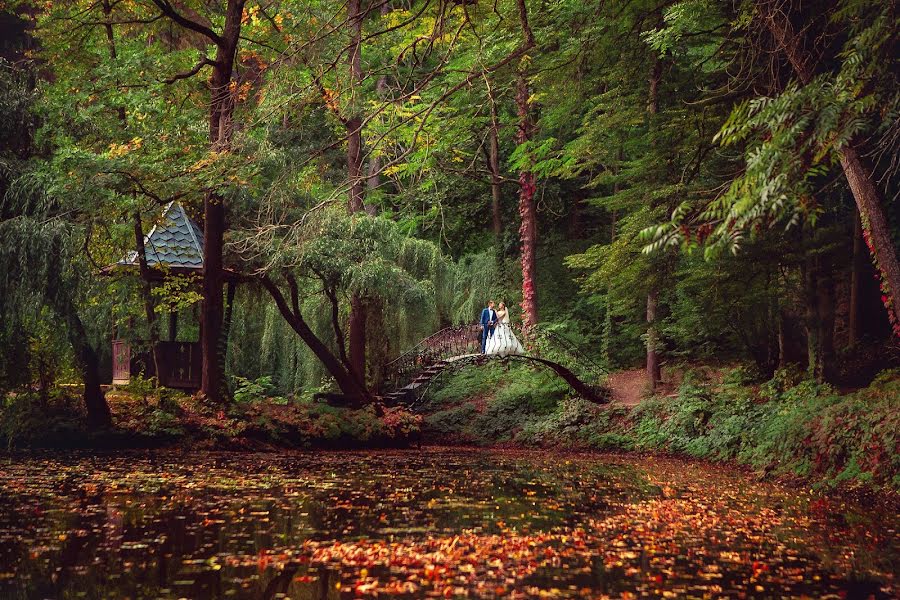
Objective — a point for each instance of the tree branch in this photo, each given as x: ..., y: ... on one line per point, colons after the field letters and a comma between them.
x: 193, y: 71
x: 169, y: 11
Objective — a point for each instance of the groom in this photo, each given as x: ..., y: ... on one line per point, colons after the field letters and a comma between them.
x: 488, y: 321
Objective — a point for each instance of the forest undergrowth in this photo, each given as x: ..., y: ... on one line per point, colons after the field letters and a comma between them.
x: 256, y: 420
x: 788, y: 427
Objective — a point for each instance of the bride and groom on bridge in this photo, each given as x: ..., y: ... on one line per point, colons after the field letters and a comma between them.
x: 497, y: 336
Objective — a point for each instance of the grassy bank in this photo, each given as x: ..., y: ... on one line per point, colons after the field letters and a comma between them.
x: 786, y: 427
x: 147, y: 417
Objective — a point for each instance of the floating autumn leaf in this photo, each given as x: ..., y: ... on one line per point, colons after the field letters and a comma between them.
x: 429, y: 523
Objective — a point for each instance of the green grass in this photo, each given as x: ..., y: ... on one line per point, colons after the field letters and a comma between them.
x: 786, y: 426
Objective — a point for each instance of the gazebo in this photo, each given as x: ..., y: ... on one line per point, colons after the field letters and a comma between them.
x: 173, y: 247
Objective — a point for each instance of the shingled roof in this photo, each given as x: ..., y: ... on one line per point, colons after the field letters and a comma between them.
x: 175, y: 241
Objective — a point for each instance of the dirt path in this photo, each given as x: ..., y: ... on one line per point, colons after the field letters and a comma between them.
x: 629, y: 386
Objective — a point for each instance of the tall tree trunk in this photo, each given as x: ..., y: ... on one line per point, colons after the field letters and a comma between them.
x: 373, y: 179
x: 86, y: 360
x: 231, y: 289
x: 825, y: 307
x: 98, y: 412
x: 528, y: 227
x: 876, y: 232
x: 353, y: 124
x: 494, y: 167
x: 221, y: 128
x: 111, y: 48
x: 607, y: 312
x: 653, y: 369
x: 782, y: 339
x: 868, y: 199
x: 147, y: 293
x: 855, y: 273
x: 811, y: 314
x: 353, y: 127
x: 212, y: 309
x: 654, y: 375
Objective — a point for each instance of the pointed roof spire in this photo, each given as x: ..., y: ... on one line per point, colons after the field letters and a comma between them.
x: 175, y: 241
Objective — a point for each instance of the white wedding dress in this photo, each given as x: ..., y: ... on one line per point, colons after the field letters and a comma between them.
x: 504, y: 341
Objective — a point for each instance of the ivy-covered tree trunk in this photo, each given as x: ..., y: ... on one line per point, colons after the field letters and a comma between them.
x: 494, y: 167
x: 862, y: 184
x: 876, y: 232
x: 528, y: 227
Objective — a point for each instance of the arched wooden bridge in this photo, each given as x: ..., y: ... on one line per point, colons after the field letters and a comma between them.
x: 409, y: 377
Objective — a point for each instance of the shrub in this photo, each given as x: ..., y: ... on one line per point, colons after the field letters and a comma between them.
x: 256, y: 390
x: 29, y: 419
x: 787, y: 425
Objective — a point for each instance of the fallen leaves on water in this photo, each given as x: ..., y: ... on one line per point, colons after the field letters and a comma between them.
x: 435, y: 524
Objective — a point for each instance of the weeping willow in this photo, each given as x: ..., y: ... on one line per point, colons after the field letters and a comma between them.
x: 410, y: 287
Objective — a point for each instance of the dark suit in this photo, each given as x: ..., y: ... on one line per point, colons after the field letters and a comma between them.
x: 488, y: 321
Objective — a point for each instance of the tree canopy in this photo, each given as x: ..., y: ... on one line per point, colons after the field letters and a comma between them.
x: 659, y: 181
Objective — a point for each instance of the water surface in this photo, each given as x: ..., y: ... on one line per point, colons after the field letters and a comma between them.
x: 445, y: 523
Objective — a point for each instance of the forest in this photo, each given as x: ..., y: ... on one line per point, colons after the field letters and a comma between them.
x: 273, y: 225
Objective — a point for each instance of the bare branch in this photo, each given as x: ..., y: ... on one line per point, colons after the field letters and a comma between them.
x: 193, y: 71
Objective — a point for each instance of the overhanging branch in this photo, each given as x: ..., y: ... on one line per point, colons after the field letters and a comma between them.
x: 168, y: 10
x: 193, y: 71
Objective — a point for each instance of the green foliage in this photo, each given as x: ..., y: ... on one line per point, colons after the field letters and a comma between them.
x: 788, y: 426
x: 493, y: 404
x: 27, y: 419
x: 256, y: 390
x: 791, y: 139
x: 657, y: 127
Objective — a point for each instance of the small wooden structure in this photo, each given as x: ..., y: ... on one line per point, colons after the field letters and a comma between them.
x: 174, y: 246
x: 179, y: 364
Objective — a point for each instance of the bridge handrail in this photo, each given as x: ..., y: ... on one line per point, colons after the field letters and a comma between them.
x: 571, y: 346
x: 461, y: 340
x: 416, y: 350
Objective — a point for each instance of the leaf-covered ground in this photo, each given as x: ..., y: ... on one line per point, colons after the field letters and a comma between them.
x: 442, y: 523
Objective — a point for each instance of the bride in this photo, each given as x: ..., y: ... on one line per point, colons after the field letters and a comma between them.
x: 504, y: 341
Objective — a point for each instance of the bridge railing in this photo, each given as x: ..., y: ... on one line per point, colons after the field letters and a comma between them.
x: 464, y: 341
x: 450, y: 342
x: 551, y: 345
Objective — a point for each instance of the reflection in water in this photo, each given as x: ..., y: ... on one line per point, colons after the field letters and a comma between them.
x: 332, y: 525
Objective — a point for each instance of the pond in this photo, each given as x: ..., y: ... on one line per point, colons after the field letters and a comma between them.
x: 434, y: 522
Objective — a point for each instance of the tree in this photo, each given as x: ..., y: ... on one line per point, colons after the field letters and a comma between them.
x: 40, y: 251
x: 221, y: 131
x: 838, y: 96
